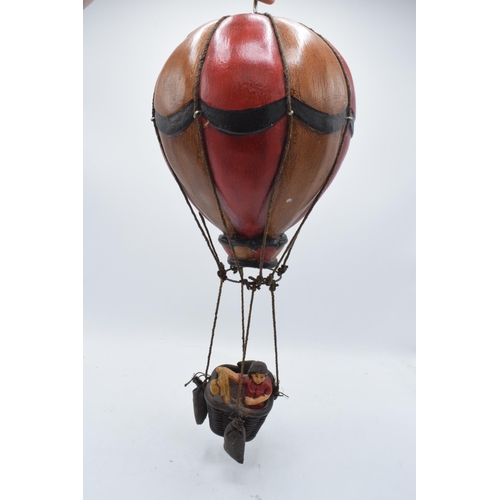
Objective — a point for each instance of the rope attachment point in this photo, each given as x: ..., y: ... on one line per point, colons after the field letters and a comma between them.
x: 196, y: 379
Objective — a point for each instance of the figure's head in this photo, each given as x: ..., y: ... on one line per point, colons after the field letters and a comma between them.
x: 258, y: 372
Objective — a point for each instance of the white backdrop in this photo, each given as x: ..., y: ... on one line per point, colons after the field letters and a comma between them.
x: 346, y: 306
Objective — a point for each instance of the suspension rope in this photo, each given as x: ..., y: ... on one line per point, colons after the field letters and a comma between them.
x: 244, y: 349
x: 242, y: 367
x: 287, y: 143
x: 198, y: 117
x: 350, y: 118
x: 275, y: 335
x: 209, y: 237
x: 288, y: 250
x: 205, y: 234
x: 216, y: 314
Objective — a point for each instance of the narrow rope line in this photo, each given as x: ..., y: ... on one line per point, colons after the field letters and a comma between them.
x: 339, y: 60
x: 273, y: 304
x: 201, y: 62
x: 288, y: 250
x: 244, y: 350
x: 284, y: 155
x: 242, y: 299
x: 197, y: 115
x: 214, y: 191
x: 250, y: 308
x: 206, y: 235
x: 286, y: 254
x: 242, y: 368
x: 211, y: 243
x: 216, y: 315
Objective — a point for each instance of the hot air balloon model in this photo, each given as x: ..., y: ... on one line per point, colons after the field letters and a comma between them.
x: 254, y: 115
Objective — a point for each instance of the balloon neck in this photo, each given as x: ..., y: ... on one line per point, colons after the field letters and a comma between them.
x: 248, y: 251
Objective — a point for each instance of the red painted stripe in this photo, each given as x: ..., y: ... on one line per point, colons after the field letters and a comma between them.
x: 243, y: 67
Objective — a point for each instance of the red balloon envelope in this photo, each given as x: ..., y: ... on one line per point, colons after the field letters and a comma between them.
x: 254, y: 115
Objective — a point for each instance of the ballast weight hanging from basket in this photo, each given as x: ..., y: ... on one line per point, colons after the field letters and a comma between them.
x: 254, y: 115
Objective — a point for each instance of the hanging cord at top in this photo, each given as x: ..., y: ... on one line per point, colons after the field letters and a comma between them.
x: 255, y: 3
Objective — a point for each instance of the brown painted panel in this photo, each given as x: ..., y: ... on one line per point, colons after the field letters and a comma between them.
x: 176, y: 83
x: 184, y: 155
x: 316, y: 76
x: 309, y: 161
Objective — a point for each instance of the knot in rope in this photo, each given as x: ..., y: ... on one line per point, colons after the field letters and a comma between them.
x: 196, y: 379
x: 222, y: 273
x: 281, y: 270
x: 254, y: 283
x: 271, y: 283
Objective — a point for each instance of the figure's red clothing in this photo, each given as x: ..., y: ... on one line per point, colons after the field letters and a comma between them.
x: 253, y: 390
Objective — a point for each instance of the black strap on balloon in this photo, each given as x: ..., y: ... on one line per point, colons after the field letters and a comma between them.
x: 250, y: 121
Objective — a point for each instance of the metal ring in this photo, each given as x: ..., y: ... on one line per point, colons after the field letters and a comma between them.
x: 255, y: 6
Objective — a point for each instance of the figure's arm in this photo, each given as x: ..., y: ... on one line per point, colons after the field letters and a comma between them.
x: 255, y: 401
x: 235, y: 377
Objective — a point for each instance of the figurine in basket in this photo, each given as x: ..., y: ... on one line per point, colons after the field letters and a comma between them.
x: 257, y: 385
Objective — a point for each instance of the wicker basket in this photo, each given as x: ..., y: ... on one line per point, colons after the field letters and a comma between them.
x: 221, y: 414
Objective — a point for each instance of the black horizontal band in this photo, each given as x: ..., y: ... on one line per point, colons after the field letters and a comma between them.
x: 247, y: 121
x: 253, y: 243
x: 250, y: 121
x: 317, y: 120
x: 175, y: 124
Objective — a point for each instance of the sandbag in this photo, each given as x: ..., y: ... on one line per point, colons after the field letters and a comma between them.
x: 234, y: 440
